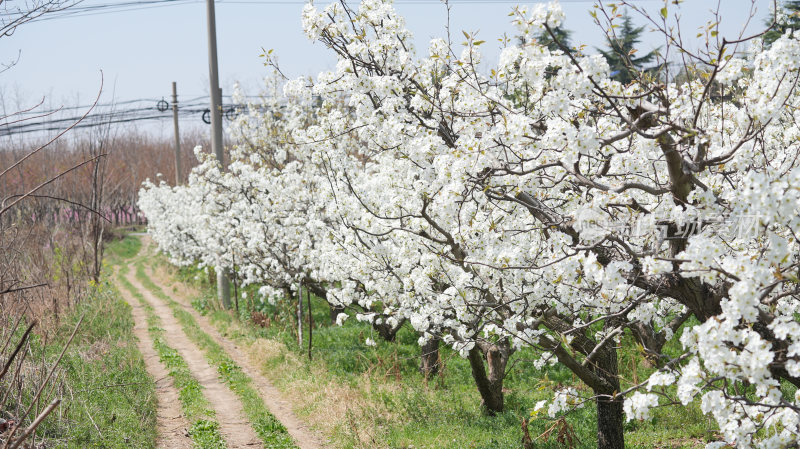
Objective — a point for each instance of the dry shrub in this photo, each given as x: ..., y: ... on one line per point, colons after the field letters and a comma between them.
x: 260, y: 319
x: 562, y: 432
x: 57, y: 197
x: 44, y: 271
x: 30, y: 389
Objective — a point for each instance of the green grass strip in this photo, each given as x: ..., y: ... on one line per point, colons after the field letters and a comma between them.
x: 268, y: 428
x: 108, y: 398
x: 204, y: 430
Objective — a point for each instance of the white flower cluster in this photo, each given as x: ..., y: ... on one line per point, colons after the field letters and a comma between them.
x: 565, y: 399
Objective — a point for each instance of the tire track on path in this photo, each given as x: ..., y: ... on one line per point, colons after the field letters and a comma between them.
x: 228, y: 410
x: 171, y: 425
x: 304, y: 437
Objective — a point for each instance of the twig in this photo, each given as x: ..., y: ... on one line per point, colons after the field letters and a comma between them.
x: 59, y: 134
x: 16, y: 350
x: 11, y: 334
x: 49, y: 409
x: 19, y: 289
x: 31, y: 192
x: 41, y: 388
x: 89, y: 414
x: 74, y: 203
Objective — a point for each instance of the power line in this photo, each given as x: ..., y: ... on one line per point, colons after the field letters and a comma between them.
x: 195, y: 100
x: 196, y: 108
x: 110, y: 8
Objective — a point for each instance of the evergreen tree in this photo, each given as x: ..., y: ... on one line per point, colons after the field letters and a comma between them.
x: 562, y: 36
x: 621, y: 56
x: 789, y: 19
x: 561, y: 42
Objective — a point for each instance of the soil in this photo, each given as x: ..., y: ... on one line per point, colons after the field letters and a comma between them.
x: 234, y: 427
x: 171, y: 425
x: 304, y: 437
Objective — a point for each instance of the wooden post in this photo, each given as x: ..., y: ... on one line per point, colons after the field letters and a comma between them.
x: 310, y: 322
x: 300, y: 315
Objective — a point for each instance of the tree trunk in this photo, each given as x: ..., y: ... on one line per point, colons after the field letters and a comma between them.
x: 300, y: 316
x: 310, y: 323
x: 490, y: 387
x: 430, y: 358
x: 609, y: 423
x: 653, y: 342
x: 610, y: 434
x: 321, y: 292
x: 387, y: 332
x: 335, y: 311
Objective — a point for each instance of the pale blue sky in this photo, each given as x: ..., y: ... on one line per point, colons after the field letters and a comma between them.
x: 142, y: 51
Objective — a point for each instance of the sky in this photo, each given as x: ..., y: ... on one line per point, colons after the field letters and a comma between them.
x: 142, y: 50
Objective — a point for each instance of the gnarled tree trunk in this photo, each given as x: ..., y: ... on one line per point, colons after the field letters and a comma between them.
x: 387, y: 331
x: 609, y: 423
x: 653, y: 342
x: 430, y: 358
x: 490, y: 385
x: 610, y: 415
x: 599, y: 370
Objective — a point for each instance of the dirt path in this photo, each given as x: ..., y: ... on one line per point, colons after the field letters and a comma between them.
x: 170, y: 423
x: 234, y: 427
x: 304, y: 437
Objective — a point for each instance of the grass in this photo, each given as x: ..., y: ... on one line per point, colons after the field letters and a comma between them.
x: 124, y: 249
x: 111, y: 399
x: 376, y: 397
x: 204, y: 430
x: 269, y: 429
x: 363, y: 396
x: 107, y: 397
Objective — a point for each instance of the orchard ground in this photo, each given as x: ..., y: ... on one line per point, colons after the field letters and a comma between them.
x: 349, y: 394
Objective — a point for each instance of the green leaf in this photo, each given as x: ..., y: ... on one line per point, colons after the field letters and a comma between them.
x: 664, y: 12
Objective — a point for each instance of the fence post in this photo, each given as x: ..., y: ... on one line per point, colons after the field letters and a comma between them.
x: 300, y: 315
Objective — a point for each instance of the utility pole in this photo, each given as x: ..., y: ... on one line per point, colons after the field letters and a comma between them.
x: 178, y: 170
x: 223, y: 286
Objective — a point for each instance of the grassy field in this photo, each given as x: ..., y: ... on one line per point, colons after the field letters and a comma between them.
x: 108, y: 400
x: 362, y: 396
